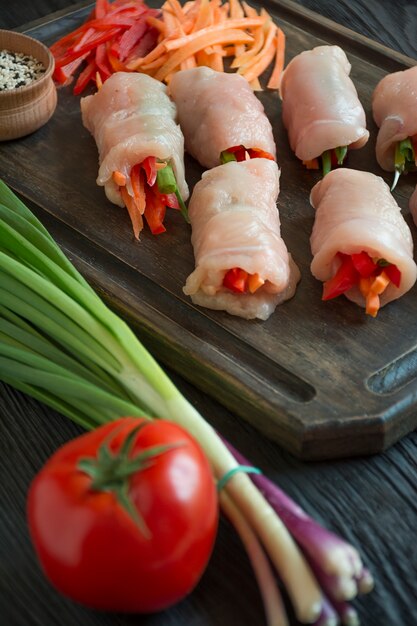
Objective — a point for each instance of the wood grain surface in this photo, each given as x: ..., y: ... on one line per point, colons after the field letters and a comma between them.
x: 370, y: 501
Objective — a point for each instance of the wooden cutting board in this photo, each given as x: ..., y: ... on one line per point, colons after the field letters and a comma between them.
x: 322, y: 379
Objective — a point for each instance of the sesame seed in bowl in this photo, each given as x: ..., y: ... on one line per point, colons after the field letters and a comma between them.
x: 28, y: 95
x: 18, y: 69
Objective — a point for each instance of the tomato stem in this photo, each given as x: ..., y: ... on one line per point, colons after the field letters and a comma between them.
x: 110, y: 471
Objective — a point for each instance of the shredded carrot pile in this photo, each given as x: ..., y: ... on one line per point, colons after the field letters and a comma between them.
x: 207, y: 32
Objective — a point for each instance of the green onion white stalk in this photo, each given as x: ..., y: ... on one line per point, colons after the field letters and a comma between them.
x: 62, y: 345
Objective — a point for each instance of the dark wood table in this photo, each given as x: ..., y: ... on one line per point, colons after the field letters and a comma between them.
x: 370, y: 501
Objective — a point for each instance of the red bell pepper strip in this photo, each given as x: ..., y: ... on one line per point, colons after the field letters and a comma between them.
x: 130, y: 38
x: 345, y: 278
x: 364, y: 264
x: 86, y: 75
x: 155, y: 211
x: 101, y: 8
x: 170, y: 200
x: 145, y: 45
x: 371, y: 277
x: 257, y: 153
x: 149, y: 166
x: 103, y: 63
x: 239, y: 153
x: 235, y: 279
x: 393, y: 273
x: 93, y: 42
x: 62, y: 75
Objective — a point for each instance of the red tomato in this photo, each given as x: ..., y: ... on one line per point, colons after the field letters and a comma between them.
x: 94, y: 551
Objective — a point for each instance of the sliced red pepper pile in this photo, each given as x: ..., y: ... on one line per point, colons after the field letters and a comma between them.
x: 240, y: 281
x: 114, y: 34
x: 240, y: 153
x: 148, y: 196
x: 372, y: 276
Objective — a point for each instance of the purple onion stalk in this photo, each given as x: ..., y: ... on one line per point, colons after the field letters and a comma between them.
x: 337, y: 565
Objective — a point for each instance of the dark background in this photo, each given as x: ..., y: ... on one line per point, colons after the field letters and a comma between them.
x: 372, y: 502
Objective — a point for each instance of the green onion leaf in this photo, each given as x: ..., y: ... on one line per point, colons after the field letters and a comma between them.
x: 341, y: 153
x: 326, y: 162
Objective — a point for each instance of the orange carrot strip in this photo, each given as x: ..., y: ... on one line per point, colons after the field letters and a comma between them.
x: 175, y: 44
x: 138, y: 188
x: 249, y: 11
x: 364, y: 286
x: 171, y: 23
x: 260, y: 66
x: 203, y: 16
x: 254, y: 282
x: 312, y: 164
x: 259, y: 39
x: 275, y: 78
x: 270, y: 31
x: 372, y: 304
x: 156, y: 23
x: 203, y: 58
x: 222, y: 37
x: 151, y: 56
x: 256, y: 85
x: 189, y: 63
x: 216, y: 62
x: 135, y: 216
x: 380, y: 283
x: 236, y: 10
x: 99, y: 81
x: 176, y: 8
x: 119, y: 178
x: 155, y: 64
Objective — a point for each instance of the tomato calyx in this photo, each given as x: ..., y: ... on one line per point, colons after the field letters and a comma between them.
x: 110, y: 471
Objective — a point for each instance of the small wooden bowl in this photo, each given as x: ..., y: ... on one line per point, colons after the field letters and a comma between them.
x: 25, y: 109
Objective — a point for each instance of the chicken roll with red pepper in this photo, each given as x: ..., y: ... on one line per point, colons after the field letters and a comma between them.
x: 220, y: 116
x: 394, y: 106
x: 321, y: 109
x: 141, y: 147
x: 362, y: 246
x: 242, y: 264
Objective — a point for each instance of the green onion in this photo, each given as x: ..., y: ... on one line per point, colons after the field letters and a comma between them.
x: 167, y: 183
x: 165, y: 179
x: 341, y: 153
x: 404, y: 159
x: 326, y: 160
x: 62, y: 345
x: 226, y: 157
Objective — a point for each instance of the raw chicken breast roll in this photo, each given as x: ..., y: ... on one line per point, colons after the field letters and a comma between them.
x: 141, y: 147
x: 242, y: 264
x: 219, y: 111
x: 361, y: 244
x: 394, y: 107
x: 412, y: 205
x: 320, y: 107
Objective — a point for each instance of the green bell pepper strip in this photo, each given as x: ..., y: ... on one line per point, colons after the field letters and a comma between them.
x: 167, y: 183
x: 404, y: 159
x: 226, y: 157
